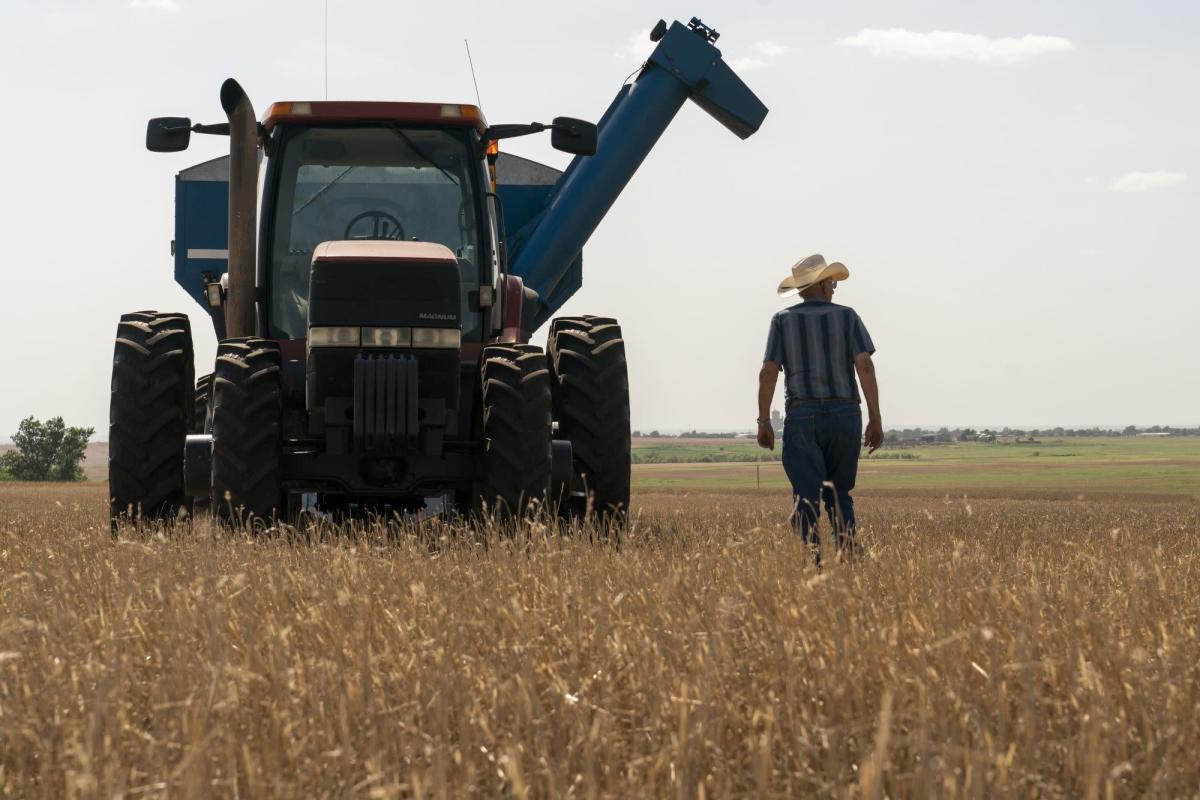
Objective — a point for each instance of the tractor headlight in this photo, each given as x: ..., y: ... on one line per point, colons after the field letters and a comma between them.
x: 436, y: 338
x: 346, y: 336
x: 387, y: 337
x: 341, y: 336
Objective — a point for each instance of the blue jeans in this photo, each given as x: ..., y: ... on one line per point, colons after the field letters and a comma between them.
x: 821, y: 441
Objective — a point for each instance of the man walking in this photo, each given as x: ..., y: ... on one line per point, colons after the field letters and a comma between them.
x: 820, y: 345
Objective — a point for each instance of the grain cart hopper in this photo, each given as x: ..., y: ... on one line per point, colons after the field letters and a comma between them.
x: 374, y: 319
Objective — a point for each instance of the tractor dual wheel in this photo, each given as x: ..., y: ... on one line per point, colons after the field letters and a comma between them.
x: 246, y: 408
x: 590, y: 385
x: 202, y: 408
x: 515, y: 476
x: 150, y: 413
x: 202, y: 424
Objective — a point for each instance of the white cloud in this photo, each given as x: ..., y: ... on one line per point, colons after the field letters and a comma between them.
x: 746, y: 64
x: 766, y: 51
x: 637, y: 47
x: 771, y: 49
x: 1145, y: 181
x: 157, y: 5
x: 949, y: 45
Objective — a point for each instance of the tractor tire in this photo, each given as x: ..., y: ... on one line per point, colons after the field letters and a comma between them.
x: 515, y: 478
x: 247, y: 446
x: 202, y: 408
x: 590, y: 387
x: 150, y: 412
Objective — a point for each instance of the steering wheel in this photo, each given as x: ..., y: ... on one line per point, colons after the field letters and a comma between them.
x: 383, y: 226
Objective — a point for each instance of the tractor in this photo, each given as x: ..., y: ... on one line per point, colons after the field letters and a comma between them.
x: 374, y: 303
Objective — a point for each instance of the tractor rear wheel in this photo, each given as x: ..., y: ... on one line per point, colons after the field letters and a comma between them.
x: 150, y: 411
x: 516, y: 429
x: 590, y: 385
x: 247, y: 404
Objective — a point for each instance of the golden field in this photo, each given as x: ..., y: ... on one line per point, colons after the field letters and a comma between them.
x: 982, y: 647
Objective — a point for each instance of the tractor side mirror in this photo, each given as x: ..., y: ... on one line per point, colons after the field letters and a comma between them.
x: 574, y: 136
x: 168, y: 134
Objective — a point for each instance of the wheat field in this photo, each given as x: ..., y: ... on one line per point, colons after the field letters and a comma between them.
x: 1017, y: 647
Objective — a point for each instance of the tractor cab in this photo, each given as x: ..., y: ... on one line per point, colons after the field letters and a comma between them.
x: 361, y: 302
x: 399, y: 172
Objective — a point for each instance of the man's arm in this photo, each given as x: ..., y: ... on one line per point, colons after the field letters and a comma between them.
x: 767, y: 377
x: 873, y: 435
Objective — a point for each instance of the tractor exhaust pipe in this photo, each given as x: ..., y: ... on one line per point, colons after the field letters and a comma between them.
x: 243, y: 207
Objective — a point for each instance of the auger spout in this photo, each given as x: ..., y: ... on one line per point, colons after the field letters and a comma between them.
x: 684, y: 65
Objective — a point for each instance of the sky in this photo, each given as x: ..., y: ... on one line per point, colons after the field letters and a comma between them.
x: 1013, y: 186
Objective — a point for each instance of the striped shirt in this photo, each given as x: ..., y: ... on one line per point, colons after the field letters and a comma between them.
x: 816, y: 343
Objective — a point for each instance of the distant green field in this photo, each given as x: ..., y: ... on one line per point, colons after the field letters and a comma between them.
x: 648, y: 450
x: 1085, y: 465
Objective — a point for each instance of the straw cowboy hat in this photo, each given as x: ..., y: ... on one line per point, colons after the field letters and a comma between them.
x: 812, y: 270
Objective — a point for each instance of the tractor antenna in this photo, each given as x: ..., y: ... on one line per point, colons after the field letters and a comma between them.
x: 467, y: 44
x: 326, y: 49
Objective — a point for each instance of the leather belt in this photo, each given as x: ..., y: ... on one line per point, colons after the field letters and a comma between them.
x: 799, y: 401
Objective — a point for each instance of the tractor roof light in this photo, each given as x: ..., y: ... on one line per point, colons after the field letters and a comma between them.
x: 316, y: 112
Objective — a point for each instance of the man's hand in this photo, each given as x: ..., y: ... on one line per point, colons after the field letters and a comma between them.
x: 767, y: 376
x: 873, y: 435
x: 766, y: 436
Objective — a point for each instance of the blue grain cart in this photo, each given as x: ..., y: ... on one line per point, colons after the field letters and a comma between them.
x: 374, y: 309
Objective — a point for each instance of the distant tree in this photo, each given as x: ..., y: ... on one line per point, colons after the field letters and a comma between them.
x: 967, y: 435
x: 46, y: 451
x: 1130, y: 430
x: 655, y: 434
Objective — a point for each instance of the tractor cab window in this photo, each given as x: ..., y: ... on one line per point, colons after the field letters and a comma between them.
x: 379, y: 182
